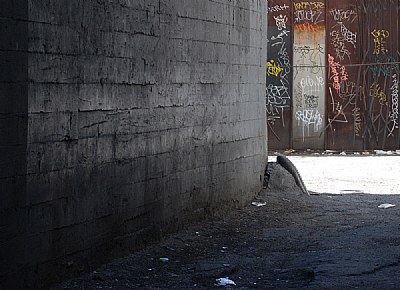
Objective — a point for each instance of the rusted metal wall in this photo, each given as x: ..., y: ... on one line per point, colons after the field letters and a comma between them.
x: 308, y: 74
x: 345, y: 75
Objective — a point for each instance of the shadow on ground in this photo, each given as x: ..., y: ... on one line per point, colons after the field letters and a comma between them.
x: 295, y: 241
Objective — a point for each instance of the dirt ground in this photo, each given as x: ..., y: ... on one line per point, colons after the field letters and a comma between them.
x: 328, y: 240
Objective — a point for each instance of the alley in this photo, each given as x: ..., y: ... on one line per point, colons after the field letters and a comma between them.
x: 335, y: 238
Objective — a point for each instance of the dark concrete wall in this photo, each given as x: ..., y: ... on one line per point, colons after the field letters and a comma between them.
x: 142, y: 116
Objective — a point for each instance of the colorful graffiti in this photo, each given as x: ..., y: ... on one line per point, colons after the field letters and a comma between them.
x: 334, y: 79
x: 279, y: 73
x: 308, y: 73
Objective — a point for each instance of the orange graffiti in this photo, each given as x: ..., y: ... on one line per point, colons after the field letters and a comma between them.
x: 308, y: 27
x: 337, y: 73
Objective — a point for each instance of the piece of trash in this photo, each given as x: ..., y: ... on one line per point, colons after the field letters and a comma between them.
x: 258, y: 203
x: 224, y: 282
x: 365, y: 153
x: 343, y: 153
x: 197, y: 234
x: 330, y: 151
x: 289, y: 151
x: 164, y: 260
x: 356, y: 153
x: 386, y: 205
x: 382, y: 152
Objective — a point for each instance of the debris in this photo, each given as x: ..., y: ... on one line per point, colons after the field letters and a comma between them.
x: 164, y: 260
x: 197, y: 234
x: 382, y: 152
x: 343, y: 153
x: 289, y: 151
x: 356, y: 153
x: 224, y: 282
x: 365, y: 153
x: 169, y: 248
x: 386, y: 205
x: 258, y: 203
x: 330, y: 151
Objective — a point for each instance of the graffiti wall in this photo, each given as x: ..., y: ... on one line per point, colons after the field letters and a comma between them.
x: 279, y: 73
x: 343, y: 89
x: 308, y: 74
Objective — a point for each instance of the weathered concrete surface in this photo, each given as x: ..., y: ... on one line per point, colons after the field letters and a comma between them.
x: 296, y: 241
x: 139, y: 117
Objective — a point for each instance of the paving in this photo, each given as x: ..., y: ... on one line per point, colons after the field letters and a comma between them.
x: 337, y: 237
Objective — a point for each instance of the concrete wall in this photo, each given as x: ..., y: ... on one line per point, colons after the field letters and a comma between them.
x: 135, y: 117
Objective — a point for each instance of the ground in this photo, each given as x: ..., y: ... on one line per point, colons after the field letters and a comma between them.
x: 335, y: 238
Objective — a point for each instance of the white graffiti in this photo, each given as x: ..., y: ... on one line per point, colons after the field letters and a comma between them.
x: 280, y: 21
x: 309, y: 119
x: 309, y: 16
x: 338, y: 110
x: 310, y: 85
x: 357, y: 120
x: 278, y: 8
x: 394, y: 114
x: 343, y: 15
x: 349, y: 36
x: 278, y: 99
x: 279, y: 38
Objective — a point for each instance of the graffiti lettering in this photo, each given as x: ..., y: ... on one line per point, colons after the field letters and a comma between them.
x: 375, y: 91
x: 309, y: 118
x: 311, y: 85
x: 349, y: 90
x: 379, y: 41
x: 357, y: 120
x: 311, y: 101
x: 308, y: 5
x: 308, y: 16
x: 383, y: 67
x: 306, y: 27
x: 338, y: 43
x: 278, y: 8
x: 348, y: 36
x: 343, y: 15
x: 337, y: 73
x: 394, y: 114
x: 273, y: 68
x: 281, y: 21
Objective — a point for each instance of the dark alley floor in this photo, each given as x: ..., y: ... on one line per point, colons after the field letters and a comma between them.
x: 321, y: 241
